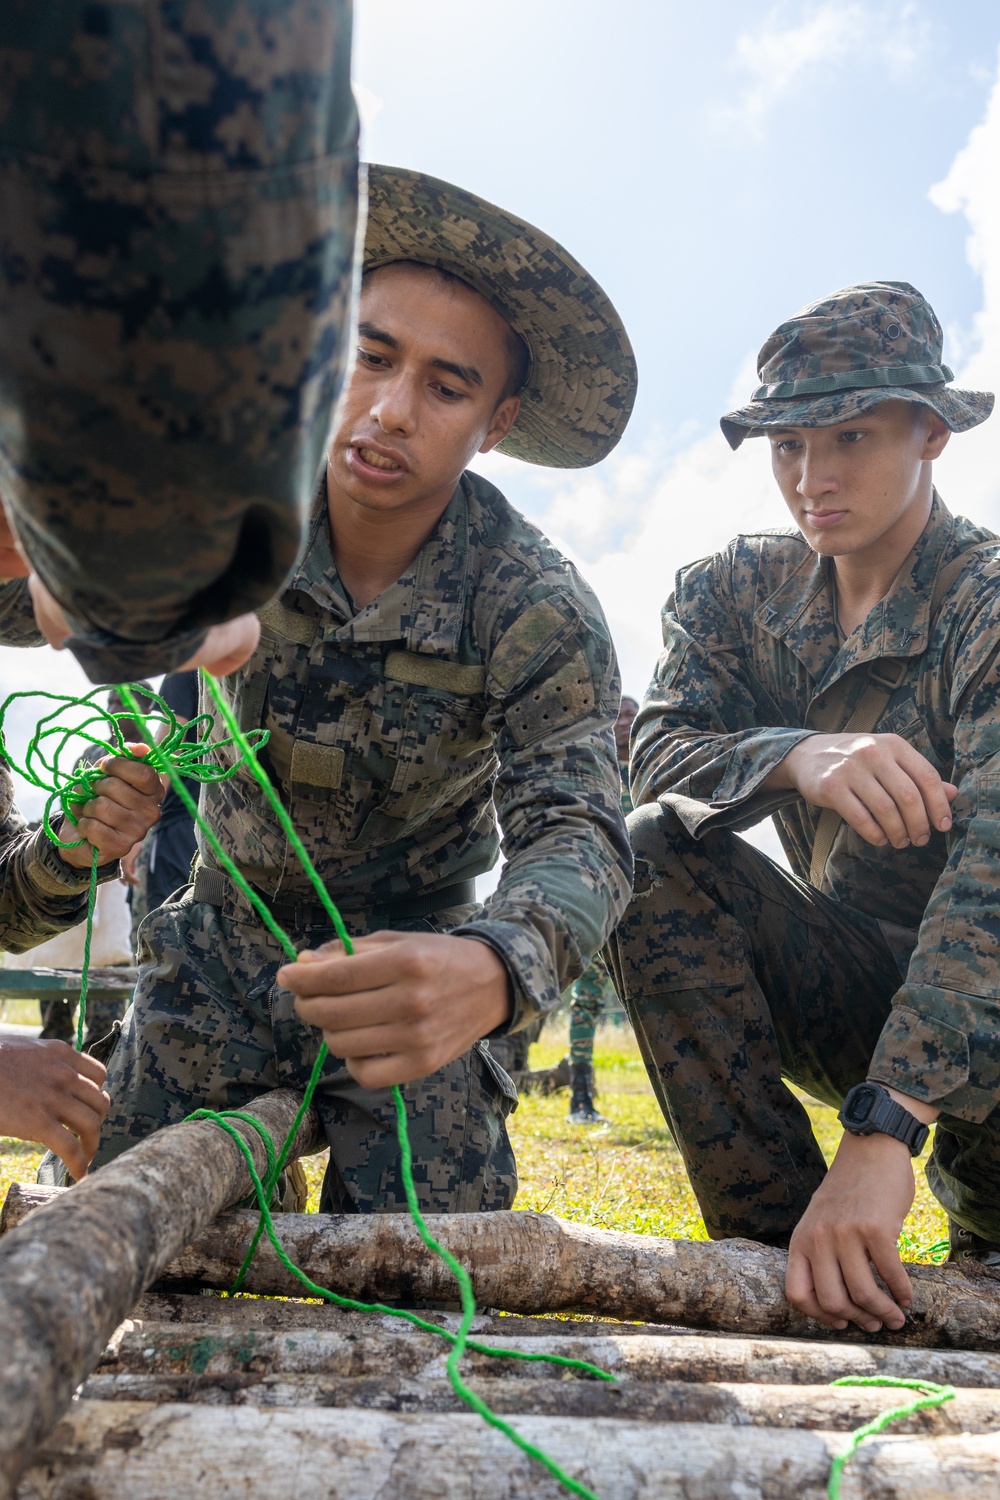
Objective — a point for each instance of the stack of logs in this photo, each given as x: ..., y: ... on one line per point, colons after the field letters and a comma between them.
x: 183, y: 1394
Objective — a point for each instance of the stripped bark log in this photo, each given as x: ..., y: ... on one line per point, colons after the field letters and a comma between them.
x: 359, y: 1346
x: 124, y: 1451
x: 532, y: 1263
x: 68, y: 1279
x: 791, y: 1407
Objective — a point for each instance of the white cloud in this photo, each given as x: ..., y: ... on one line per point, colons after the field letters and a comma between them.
x: 780, y: 58
x: 969, y: 472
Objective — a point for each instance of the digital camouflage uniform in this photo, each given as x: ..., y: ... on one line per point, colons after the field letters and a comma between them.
x: 40, y: 894
x: 738, y: 975
x: 178, y: 196
x: 589, y: 994
x: 484, y: 676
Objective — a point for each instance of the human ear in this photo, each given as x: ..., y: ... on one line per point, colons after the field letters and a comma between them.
x: 501, y: 422
x: 936, y: 437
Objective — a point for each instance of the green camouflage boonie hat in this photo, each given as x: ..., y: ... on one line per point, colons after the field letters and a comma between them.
x: 878, y: 341
x: 581, y: 386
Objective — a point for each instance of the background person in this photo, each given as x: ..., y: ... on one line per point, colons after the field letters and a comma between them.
x: 840, y: 675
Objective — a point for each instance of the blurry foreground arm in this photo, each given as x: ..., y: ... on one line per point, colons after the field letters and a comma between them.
x: 167, y: 379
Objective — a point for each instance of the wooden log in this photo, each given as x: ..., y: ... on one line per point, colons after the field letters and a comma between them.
x: 533, y: 1263
x: 793, y: 1407
x: 130, y: 1451
x: 358, y: 1346
x: 673, y: 1354
x: 69, y: 1277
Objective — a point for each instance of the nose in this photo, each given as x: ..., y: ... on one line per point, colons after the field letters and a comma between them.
x: 816, y: 477
x: 394, y: 406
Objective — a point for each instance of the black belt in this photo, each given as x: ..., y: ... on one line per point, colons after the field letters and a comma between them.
x: 214, y: 886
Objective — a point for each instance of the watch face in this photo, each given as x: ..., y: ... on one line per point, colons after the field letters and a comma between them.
x: 859, y: 1104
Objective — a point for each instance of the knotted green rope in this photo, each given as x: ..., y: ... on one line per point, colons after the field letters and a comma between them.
x: 932, y: 1395
x: 50, y: 765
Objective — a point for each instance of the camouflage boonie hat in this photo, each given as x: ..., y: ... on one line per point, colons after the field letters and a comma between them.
x: 581, y: 386
x: 878, y: 341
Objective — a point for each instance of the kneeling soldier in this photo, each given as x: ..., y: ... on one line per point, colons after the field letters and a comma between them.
x: 433, y: 657
x: 840, y: 675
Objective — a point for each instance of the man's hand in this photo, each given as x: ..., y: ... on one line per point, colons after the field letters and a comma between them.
x: 124, y: 807
x: 50, y: 1093
x: 224, y: 649
x: 853, y: 1220
x: 403, y: 1004
x: 887, y: 791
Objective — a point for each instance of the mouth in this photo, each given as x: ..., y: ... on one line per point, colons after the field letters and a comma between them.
x: 376, y: 464
x: 823, y: 518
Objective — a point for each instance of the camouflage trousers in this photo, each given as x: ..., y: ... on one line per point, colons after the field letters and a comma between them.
x: 737, y: 976
x: 586, y: 1002
x: 210, y: 1028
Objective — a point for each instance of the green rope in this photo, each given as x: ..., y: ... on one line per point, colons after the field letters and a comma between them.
x: 460, y: 1342
x: 932, y: 1395
x: 182, y: 749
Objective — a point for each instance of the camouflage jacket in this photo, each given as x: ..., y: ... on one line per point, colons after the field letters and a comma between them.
x: 752, y: 663
x: 178, y: 197
x: 483, y: 678
x: 40, y: 894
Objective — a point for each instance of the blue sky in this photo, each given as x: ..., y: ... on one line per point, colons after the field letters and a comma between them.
x: 715, y: 167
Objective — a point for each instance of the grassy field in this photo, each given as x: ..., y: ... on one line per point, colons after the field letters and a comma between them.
x: 625, y: 1175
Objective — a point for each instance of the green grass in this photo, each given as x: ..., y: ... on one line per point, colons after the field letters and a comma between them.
x: 626, y: 1175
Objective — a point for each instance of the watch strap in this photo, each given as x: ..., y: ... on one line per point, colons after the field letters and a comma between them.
x: 888, y: 1117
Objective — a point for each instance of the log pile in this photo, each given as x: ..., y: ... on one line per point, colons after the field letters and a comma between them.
x: 721, y: 1389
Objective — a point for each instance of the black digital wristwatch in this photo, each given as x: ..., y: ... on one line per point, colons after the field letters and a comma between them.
x: 869, y: 1109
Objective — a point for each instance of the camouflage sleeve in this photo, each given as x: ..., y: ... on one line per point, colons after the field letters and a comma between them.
x: 941, y: 1043
x: 705, y: 735
x: 40, y: 894
x: 17, y: 618
x: 553, y: 678
x: 178, y: 198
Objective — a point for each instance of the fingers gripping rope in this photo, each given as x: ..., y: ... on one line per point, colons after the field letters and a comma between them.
x: 49, y: 764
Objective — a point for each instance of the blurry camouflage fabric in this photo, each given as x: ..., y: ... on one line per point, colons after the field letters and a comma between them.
x: 874, y: 342
x: 210, y: 1029
x: 178, y: 194
x: 485, y: 675
x: 752, y: 662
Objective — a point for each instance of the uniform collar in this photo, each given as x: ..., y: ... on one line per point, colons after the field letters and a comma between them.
x: 424, y: 607
x: 800, y: 612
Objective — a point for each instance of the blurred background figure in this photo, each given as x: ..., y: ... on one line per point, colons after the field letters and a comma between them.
x: 593, y: 990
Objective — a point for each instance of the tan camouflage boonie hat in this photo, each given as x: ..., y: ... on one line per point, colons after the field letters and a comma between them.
x: 581, y: 386
x: 878, y: 341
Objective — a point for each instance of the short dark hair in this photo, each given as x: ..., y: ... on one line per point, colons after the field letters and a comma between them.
x: 517, y: 351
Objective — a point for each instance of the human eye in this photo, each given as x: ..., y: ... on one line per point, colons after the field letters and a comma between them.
x: 786, y: 445
x: 370, y: 358
x: 852, y: 435
x: 448, y: 393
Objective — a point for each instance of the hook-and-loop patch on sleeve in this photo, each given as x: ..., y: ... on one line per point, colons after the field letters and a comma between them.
x: 543, y: 669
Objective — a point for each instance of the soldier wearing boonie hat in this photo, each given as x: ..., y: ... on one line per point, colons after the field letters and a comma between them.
x: 433, y: 657
x: 839, y: 676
